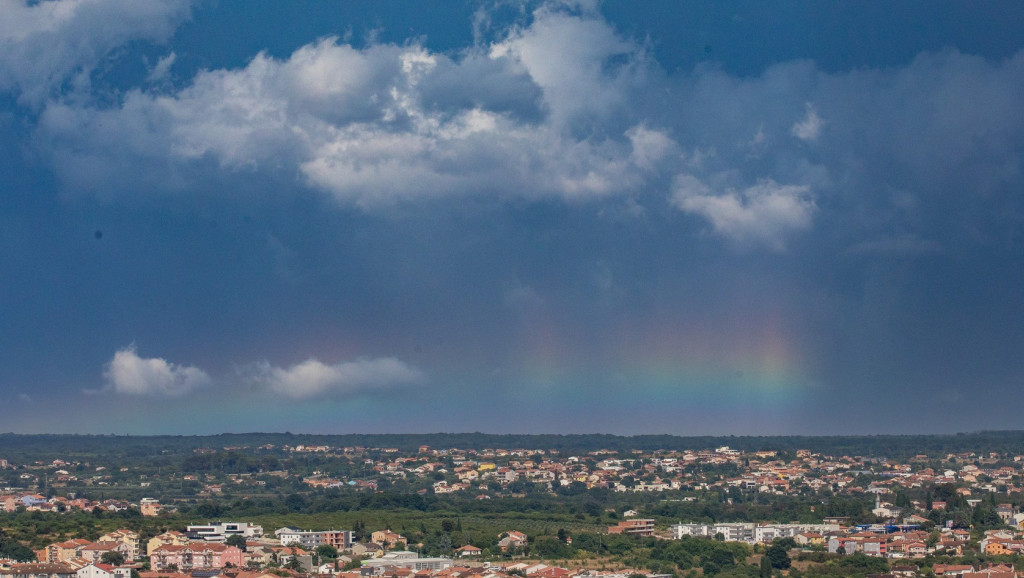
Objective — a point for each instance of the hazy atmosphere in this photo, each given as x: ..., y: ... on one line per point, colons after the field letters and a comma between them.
x: 561, y: 217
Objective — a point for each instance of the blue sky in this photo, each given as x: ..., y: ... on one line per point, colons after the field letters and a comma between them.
x: 657, y: 217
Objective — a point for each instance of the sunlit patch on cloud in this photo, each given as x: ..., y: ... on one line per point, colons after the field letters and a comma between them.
x: 809, y: 128
x: 130, y: 374
x: 312, y: 378
x: 162, y: 68
x: 764, y: 213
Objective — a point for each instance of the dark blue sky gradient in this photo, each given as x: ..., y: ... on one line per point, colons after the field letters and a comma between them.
x: 699, y: 217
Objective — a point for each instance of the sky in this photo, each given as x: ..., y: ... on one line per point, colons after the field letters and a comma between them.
x: 678, y: 217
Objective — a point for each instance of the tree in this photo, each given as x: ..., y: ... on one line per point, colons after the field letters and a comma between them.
x: 778, y: 556
x: 548, y: 547
x: 327, y: 551
x: 114, y: 558
x: 236, y: 540
x: 15, y: 550
x: 295, y: 502
x: 766, y: 567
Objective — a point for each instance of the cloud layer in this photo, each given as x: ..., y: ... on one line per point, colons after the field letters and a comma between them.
x: 129, y: 374
x: 525, y: 116
x: 46, y: 44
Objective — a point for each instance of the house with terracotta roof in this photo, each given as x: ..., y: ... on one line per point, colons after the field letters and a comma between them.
x: 92, y: 570
x: 367, y: 549
x: 94, y: 552
x: 951, y: 569
x: 171, y: 538
x: 511, y: 539
x: 126, y: 537
x: 38, y: 571
x: 65, y: 551
x: 468, y: 550
x: 388, y: 539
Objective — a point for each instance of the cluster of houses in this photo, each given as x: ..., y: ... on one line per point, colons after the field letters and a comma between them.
x: 760, y: 471
x: 211, y: 547
x: 34, y: 502
x: 485, y: 473
x: 210, y: 551
x: 403, y: 565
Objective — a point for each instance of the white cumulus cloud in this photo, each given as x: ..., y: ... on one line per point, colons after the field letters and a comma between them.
x: 385, y: 123
x: 313, y: 378
x: 763, y: 214
x: 130, y: 374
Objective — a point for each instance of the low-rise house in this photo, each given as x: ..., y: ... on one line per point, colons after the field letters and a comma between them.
x: 951, y: 569
x: 150, y: 507
x: 388, y: 539
x: 367, y: 550
x: 468, y: 550
x: 92, y: 570
x: 809, y: 538
x: 257, y: 555
x: 44, y: 570
x: 512, y: 539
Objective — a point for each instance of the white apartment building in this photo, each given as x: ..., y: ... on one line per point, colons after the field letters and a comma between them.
x: 311, y: 539
x: 219, y: 531
x: 749, y: 532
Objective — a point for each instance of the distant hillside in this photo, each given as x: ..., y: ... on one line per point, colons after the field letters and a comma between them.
x: 45, y: 447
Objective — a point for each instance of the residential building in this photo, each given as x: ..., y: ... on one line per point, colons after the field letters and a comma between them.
x: 220, y: 531
x: 196, y: 556
x: 388, y: 539
x: 38, y: 571
x: 753, y: 533
x: 150, y: 507
x: 405, y: 559
x: 511, y: 540
x: 127, y: 537
x: 65, y: 551
x: 94, y: 552
x: 367, y: 549
x: 636, y: 527
x: 103, y: 571
x: 468, y: 550
x: 311, y: 539
x: 171, y: 538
